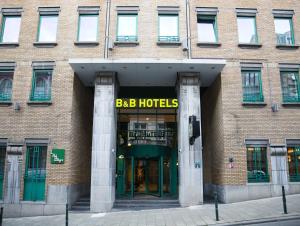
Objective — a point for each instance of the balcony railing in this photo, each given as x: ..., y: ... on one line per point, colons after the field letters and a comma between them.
x: 40, y: 96
x: 258, y: 176
x: 289, y: 97
x: 5, y: 96
x: 168, y: 38
x: 127, y: 38
x: 252, y: 95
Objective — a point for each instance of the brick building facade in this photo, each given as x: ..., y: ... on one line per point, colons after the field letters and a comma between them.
x: 62, y: 65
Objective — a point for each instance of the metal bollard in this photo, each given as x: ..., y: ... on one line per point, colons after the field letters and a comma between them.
x: 284, y: 200
x: 1, y: 216
x: 216, y: 206
x: 67, y: 214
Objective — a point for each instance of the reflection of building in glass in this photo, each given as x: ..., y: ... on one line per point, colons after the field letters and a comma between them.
x: 285, y: 38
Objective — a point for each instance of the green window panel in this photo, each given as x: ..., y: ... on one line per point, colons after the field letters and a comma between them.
x: 35, y: 173
x: 87, y: 28
x: 294, y: 163
x: 10, y: 29
x: 2, y: 166
x: 257, y: 165
x: 252, y: 86
x: 207, y: 28
x: 247, y: 29
x: 284, y: 30
x: 47, y: 28
x: 290, y: 85
x: 127, y: 28
x: 168, y: 28
x: 6, y: 81
x: 41, y: 85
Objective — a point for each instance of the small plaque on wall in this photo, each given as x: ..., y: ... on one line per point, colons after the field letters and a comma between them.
x: 58, y: 156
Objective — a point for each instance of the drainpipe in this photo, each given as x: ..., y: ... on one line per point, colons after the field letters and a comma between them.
x: 188, y: 28
x: 108, y: 3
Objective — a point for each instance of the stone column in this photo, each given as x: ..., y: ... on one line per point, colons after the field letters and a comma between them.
x: 104, y: 143
x: 189, y: 156
x: 13, y: 173
x: 279, y: 169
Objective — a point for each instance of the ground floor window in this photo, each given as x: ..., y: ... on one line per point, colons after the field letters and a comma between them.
x: 294, y: 163
x: 2, y: 164
x: 257, y: 164
x: 35, y: 173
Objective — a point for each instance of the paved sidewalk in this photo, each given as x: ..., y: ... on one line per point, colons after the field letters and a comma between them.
x: 262, y: 209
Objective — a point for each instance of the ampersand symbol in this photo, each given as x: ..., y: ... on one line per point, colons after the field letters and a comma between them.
x: 125, y: 104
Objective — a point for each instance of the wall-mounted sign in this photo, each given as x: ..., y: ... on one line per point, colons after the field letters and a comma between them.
x: 58, y: 156
x: 150, y: 133
x: 146, y: 103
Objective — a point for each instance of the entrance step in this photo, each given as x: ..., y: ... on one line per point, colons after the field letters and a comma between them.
x: 81, y: 205
x: 139, y: 204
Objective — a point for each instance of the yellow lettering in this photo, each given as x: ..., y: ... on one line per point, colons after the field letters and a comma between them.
x: 156, y: 101
x: 119, y: 103
x: 175, y: 103
x: 132, y: 103
x: 162, y: 103
x: 149, y: 103
x: 142, y: 103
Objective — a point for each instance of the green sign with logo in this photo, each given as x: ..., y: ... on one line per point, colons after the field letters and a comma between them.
x: 58, y: 156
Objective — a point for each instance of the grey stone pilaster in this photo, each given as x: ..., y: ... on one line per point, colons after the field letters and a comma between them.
x: 190, y: 173
x: 104, y: 143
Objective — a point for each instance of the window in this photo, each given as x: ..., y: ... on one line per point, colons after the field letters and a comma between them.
x: 168, y: 28
x: 140, y: 125
x: 257, y: 164
x: 41, y: 85
x: 88, y: 23
x: 294, y: 163
x: 47, y: 28
x: 6, y: 80
x: 284, y: 31
x: 127, y: 28
x: 2, y: 166
x: 252, y: 86
x: 35, y: 173
x: 247, y: 30
x: 10, y: 29
x: 207, y: 28
x: 290, y: 86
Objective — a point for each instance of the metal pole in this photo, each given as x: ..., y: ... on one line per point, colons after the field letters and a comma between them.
x: 216, y: 206
x: 1, y: 216
x: 284, y: 200
x: 67, y: 214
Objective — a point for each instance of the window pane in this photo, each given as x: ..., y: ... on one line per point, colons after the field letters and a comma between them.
x: 127, y: 25
x: 290, y: 86
x: 247, y: 30
x: 206, y: 30
x: 283, y: 31
x: 252, y: 86
x: 88, y: 28
x: 168, y: 25
x: 42, y: 85
x: 6, y: 80
x: 11, y: 29
x: 48, y: 28
x: 257, y: 164
x: 294, y: 163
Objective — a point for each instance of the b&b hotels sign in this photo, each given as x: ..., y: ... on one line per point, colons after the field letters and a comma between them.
x: 146, y: 103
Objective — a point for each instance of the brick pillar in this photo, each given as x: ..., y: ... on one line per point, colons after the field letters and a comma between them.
x: 189, y: 156
x: 104, y: 143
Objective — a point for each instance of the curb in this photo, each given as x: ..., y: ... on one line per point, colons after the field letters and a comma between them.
x: 261, y: 221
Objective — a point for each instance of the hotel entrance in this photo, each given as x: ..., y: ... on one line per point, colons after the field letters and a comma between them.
x: 147, y: 163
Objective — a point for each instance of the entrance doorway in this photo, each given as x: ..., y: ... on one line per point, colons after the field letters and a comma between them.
x: 147, y: 162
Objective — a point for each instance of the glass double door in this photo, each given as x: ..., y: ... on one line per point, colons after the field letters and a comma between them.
x: 147, y: 174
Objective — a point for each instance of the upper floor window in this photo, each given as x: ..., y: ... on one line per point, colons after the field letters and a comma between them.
x: 168, y: 28
x: 252, y: 84
x: 42, y: 81
x: 11, y: 24
x: 284, y: 30
x: 207, y: 24
x: 88, y: 24
x: 246, y: 20
x: 47, y: 28
x: 10, y: 28
x: 127, y: 27
x: 6, y: 82
x: 290, y: 86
